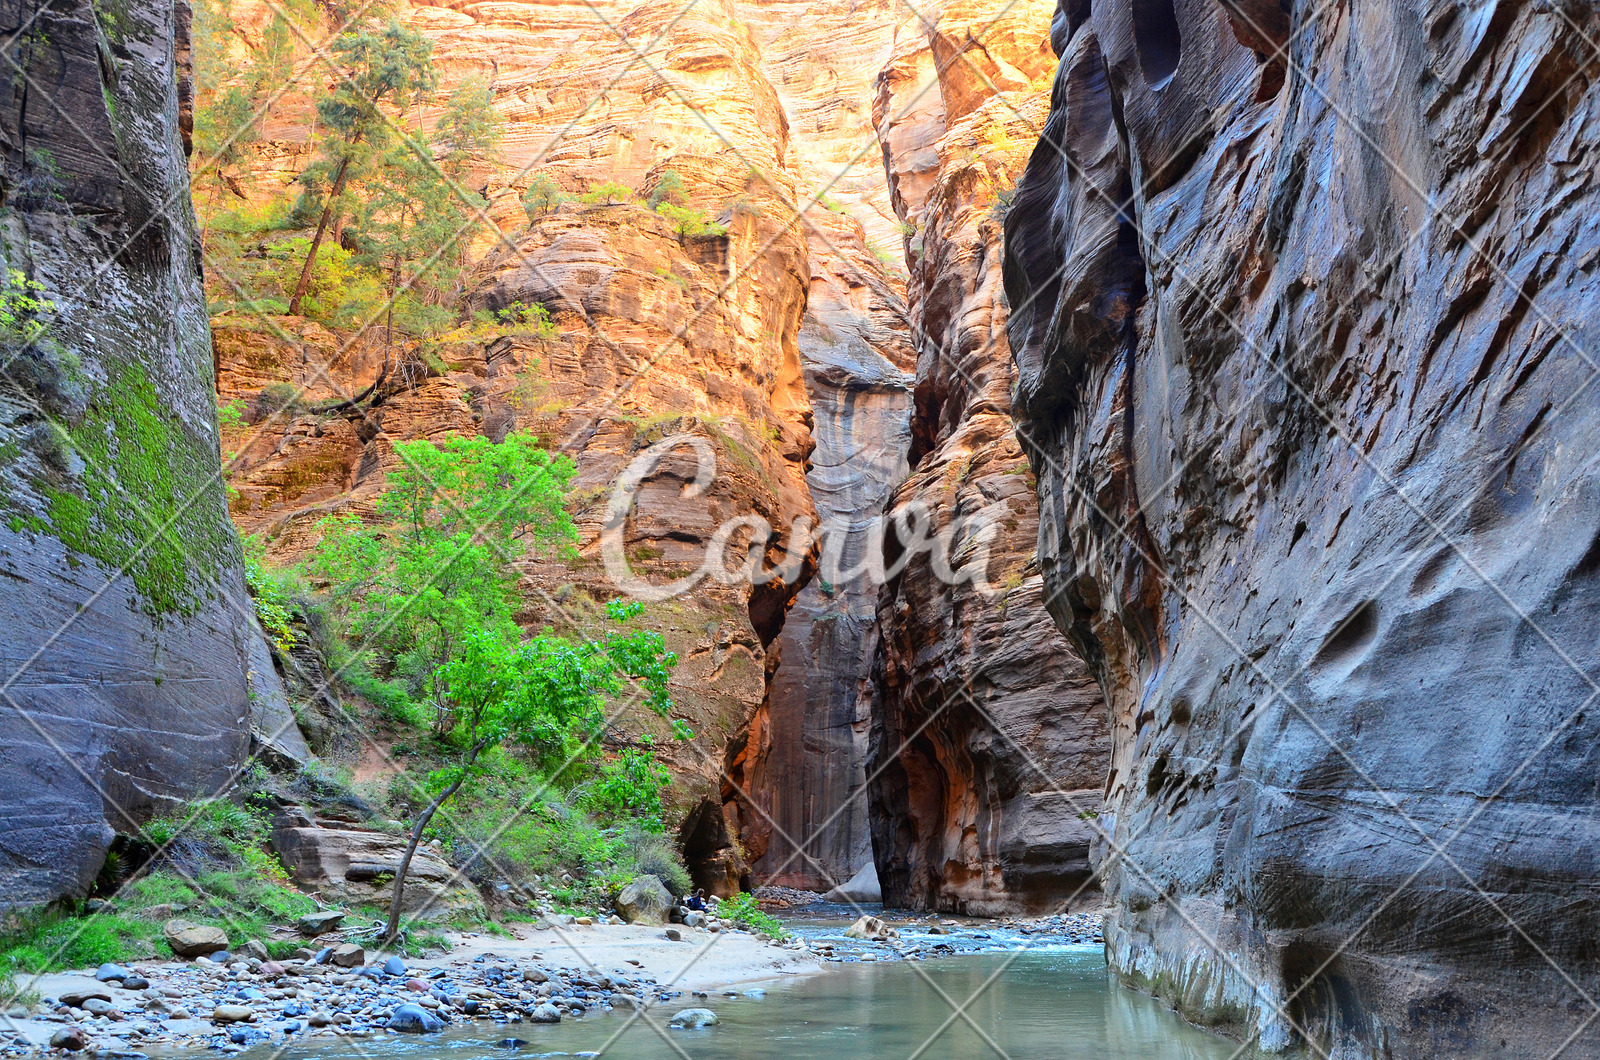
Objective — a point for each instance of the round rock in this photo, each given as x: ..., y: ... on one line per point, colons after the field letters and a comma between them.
x: 694, y: 1017
x: 414, y: 1019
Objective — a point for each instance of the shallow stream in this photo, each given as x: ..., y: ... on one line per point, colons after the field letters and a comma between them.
x: 1049, y: 1001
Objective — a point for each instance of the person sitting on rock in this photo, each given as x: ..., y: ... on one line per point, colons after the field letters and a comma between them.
x: 697, y: 900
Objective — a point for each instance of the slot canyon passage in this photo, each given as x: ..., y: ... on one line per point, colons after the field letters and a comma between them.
x: 762, y: 527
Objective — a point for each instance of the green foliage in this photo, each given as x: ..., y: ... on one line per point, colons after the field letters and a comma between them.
x: 544, y: 196
x: 1003, y: 198
x: 828, y: 202
x: 655, y: 855
x: 690, y: 222
x: 436, y: 563
x: 607, y: 192
x: 531, y: 320
x: 469, y: 129
x: 669, y: 188
x: 230, y: 415
x: 140, y: 502
x: 43, y: 941
x: 223, y: 131
x: 271, y: 594
x: 743, y: 909
x: 24, y: 311
x: 630, y: 786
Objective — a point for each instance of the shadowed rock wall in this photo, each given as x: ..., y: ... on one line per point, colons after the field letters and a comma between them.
x: 127, y: 639
x: 1318, y: 490
x: 988, y: 739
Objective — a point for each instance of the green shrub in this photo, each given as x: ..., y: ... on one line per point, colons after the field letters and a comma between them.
x: 607, y: 192
x: 544, y: 196
x: 687, y: 221
x: 655, y: 855
x: 669, y: 188
x: 742, y: 909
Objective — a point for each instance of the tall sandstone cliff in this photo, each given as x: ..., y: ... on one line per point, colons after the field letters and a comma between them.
x: 127, y: 658
x: 1305, y: 347
x: 989, y: 740
x: 781, y: 345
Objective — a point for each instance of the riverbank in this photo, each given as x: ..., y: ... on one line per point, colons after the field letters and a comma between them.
x: 541, y: 973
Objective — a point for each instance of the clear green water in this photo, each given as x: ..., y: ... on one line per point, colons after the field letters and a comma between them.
x: 1058, y: 1005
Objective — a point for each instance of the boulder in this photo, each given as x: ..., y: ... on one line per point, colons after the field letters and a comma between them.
x: 414, y: 1019
x: 349, y: 955
x: 394, y: 966
x: 108, y: 973
x: 546, y: 1013
x: 694, y: 1017
x: 313, y: 924
x: 860, y: 889
x: 193, y: 940
x: 233, y: 1014
x: 71, y: 1039
x: 354, y: 866
x: 80, y: 989
x: 645, y: 901
x: 869, y: 928
x: 257, y: 949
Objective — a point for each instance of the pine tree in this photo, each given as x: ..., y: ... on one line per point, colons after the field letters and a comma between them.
x: 388, y: 66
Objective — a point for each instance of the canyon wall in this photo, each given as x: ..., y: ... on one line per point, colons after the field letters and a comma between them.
x: 797, y: 784
x: 1302, y: 318
x: 126, y: 666
x: 782, y: 333
x: 989, y: 740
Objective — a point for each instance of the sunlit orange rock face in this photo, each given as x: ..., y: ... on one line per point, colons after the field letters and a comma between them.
x: 988, y: 739
x: 760, y: 341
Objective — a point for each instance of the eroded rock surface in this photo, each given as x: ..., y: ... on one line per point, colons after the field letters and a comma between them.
x: 126, y: 649
x: 1314, y: 436
x: 989, y: 740
x: 731, y: 339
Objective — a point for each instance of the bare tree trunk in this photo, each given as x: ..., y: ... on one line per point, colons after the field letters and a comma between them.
x: 392, y: 928
x: 316, y: 241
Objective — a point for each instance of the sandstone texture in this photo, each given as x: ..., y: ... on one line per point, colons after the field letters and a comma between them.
x: 989, y: 740
x: 356, y: 866
x: 128, y: 643
x: 742, y: 340
x: 1304, y: 343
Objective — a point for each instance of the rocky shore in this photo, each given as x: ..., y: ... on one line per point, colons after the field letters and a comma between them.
x: 564, y: 968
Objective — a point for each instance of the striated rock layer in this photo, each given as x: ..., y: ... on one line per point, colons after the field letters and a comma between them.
x: 989, y: 740
x: 126, y: 660
x: 1313, y: 423
x: 730, y: 339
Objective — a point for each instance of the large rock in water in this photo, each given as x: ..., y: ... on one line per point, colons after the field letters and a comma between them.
x: 973, y: 685
x: 127, y: 629
x: 1321, y: 506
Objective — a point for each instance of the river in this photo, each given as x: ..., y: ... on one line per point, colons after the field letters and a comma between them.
x: 1050, y: 1002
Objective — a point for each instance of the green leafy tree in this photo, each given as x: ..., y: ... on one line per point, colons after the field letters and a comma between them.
x: 222, y: 133
x: 669, y: 188
x: 386, y: 66
x: 607, y: 192
x: 543, y: 196
x: 435, y: 563
x: 468, y: 131
x: 414, y: 205
x: 547, y: 694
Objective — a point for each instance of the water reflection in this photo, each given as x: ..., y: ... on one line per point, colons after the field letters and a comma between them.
x: 1045, y: 1006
